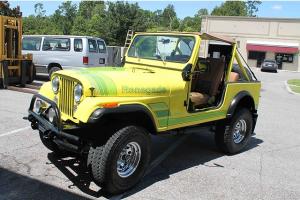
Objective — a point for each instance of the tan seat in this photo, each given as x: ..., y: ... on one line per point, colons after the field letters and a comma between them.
x: 234, y: 77
x: 206, y: 85
x: 199, y: 98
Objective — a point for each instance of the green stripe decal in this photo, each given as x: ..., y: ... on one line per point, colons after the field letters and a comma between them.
x: 158, y: 106
x: 163, y: 122
x: 103, y: 84
x: 197, y: 117
x: 162, y: 113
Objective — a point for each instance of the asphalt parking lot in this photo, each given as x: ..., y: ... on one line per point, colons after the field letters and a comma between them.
x: 183, y: 167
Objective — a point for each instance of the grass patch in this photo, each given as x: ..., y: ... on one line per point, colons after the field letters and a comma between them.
x: 295, y: 89
x: 294, y: 82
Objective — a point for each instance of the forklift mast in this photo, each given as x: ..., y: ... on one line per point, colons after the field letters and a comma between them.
x: 15, y: 68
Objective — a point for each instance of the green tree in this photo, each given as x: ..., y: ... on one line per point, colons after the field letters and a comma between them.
x: 252, y: 7
x: 121, y: 16
x: 89, y: 17
x: 231, y: 8
x: 193, y: 24
x: 202, y: 12
x: 169, y: 16
x: 64, y: 17
x: 39, y: 10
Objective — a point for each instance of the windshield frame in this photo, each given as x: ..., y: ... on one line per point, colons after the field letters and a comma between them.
x: 166, y: 35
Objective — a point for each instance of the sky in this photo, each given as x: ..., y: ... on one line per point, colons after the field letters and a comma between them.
x: 184, y: 8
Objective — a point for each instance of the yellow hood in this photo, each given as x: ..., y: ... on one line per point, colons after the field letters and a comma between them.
x: 120, y: 81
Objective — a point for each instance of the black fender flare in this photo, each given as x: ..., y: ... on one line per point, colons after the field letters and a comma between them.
x: 235, y: 102
x: 122, y: 109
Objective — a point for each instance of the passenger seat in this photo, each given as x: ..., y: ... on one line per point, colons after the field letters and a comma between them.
x: 208, y: 83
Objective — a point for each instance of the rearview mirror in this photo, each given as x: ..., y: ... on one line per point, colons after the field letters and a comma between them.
x: 186, y: 72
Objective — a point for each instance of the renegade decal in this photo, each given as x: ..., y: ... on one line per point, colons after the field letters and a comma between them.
x: 144, y: 90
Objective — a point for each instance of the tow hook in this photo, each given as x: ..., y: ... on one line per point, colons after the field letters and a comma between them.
x: 34, y: 125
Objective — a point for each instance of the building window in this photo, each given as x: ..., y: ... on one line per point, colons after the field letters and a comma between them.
x: 288, y: 58
x: 256, y: 55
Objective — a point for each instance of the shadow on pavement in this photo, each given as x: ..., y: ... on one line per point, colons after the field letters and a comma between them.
x: 76, y: 171
x: 16, y: 186
x: 197, y: 149
x: 194, y: 150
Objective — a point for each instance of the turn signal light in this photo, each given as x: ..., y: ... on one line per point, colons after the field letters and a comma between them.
x: 110, y: 105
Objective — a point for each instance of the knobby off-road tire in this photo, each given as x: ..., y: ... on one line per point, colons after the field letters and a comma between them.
x: 232, y: 136
x: 130, y: 146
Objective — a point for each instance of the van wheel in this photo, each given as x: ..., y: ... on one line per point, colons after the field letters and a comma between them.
x: 122, y: 162
x: 232, y: 136
x: 52, y: 70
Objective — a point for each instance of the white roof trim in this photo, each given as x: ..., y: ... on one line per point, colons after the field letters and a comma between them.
x: 218, y: 42
x: 269, y: 43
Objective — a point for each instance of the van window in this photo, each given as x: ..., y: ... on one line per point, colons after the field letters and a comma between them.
x: 31, y: 43
x: 56, y: 44
x: 92, y: 45
x: 101, y: 46
x: 78, y: 45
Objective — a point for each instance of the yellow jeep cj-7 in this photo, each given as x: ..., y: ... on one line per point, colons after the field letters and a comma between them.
x: 107, y: 114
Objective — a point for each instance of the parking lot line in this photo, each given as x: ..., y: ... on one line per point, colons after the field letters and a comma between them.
x: 14, y: 131
x: 166, y: 153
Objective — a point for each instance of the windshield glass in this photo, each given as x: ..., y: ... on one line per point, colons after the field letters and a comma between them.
x: 162, y: 47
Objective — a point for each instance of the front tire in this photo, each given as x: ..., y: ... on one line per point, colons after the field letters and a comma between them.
x: 122, y: 162
x: 232, y: 136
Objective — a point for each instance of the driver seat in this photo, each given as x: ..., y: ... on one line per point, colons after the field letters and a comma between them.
x: 207, y: 84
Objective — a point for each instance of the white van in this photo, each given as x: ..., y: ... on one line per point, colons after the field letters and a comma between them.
x: 56, y: 52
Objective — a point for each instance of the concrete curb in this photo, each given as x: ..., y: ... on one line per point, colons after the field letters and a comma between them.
x: 279, y: 70
x: 289, y: 89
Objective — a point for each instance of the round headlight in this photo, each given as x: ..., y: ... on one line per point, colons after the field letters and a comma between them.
x: 77, y: 92
x: 55, y: 84
x: 38, y: 106
x: 51, y: 115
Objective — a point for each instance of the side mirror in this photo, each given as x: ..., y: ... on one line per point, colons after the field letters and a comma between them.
x: 186, y: 72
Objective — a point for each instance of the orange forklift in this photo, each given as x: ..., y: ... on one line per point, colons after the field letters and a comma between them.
x: 15, y: 68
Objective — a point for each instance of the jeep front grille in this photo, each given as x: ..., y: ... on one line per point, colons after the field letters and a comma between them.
x: 66, y: 96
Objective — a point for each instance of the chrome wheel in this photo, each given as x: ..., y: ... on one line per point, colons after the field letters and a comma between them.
x: 239, y: 131
x: 129, y: 159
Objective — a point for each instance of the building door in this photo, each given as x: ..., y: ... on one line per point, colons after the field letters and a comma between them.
x: 279, y: 58
x: 258, y: 56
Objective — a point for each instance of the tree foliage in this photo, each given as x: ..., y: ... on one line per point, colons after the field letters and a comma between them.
x: 111, y: 20
x: 237, y: 8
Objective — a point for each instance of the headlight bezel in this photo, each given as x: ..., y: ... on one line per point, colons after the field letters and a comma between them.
x: 78, y: 92
x: 55, y: 84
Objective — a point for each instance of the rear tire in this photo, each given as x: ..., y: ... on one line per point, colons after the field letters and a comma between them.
x: 122, y: 162
x: 232, y: 136
x: 52, y: 70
